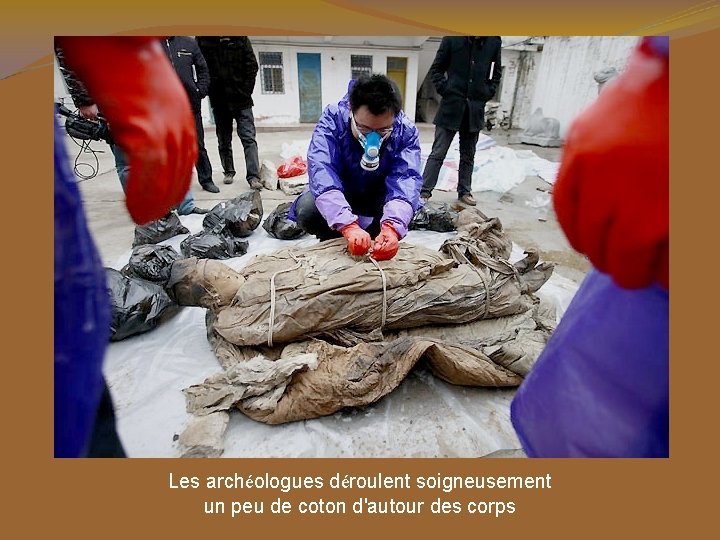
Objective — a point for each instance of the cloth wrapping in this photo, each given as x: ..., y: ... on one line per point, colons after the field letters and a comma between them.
x: 329, y: 348
x: 328, y: 290
x: 313, y: 378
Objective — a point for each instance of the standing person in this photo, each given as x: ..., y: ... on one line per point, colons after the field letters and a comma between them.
x: 87, y: 108
x: 144, y: 101
x: 600, y: 388
x: 233, y: 69
x: 189, y: 64
x: 466, y: 72
x: 364, y: 169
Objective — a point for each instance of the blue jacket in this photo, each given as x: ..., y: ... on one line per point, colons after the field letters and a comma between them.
x: 82, y: 315
x: 344, y: 192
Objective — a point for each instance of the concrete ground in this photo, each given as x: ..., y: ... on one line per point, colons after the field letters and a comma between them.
x: 113, y: 229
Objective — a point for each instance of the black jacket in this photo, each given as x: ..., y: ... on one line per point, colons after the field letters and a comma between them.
x: 233, y: 69
x: 461, y: 73
x: 184, y: 53
x: 77, y: 90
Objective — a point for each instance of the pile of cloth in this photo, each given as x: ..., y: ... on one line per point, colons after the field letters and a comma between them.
x: 305, y: 332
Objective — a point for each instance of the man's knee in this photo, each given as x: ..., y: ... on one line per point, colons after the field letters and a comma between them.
x: 309, y: 218
x: 306, y: 212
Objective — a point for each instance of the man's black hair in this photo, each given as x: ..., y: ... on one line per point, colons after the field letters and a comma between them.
x: 377, y: 92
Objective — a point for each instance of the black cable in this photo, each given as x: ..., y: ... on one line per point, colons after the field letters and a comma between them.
x: 83, y: 141
x: 85, y: 148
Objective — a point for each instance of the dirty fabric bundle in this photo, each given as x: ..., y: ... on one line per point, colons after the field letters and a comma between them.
x: 346, y: 332
x: 292, y: 294
x: 315, y: 378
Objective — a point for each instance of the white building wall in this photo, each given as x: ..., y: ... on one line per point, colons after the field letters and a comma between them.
x: 335, y: 74
x: 564, y: 85
x: 278, y: 108
x: 520, y: 70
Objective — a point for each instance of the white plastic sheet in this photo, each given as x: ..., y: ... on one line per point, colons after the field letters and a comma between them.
x: 537, y: 166
x: 495, y: 168
x: 423, y: 417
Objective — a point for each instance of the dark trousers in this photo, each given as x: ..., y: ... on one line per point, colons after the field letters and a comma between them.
x: 310, y: 220
x: 203, y: 166
x: 246, y: 131
x: 441, y: 144
x: 104, y: 441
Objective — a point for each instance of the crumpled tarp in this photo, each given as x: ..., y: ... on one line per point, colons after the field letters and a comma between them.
x: 315, y: 378
x: 208, y: 245
x: 432, y: 216
x: 137, y: 305
x: 159, y: 230
x: 151, y: 262
x: 237, y: 217
x: 279, y: 226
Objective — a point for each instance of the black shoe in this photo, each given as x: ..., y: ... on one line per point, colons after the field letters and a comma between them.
x: 256, y: 184
x: 229, y: 178
x: 211, y: 187
x: 198, y: 210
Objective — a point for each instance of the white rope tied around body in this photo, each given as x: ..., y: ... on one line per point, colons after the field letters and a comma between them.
x: 384, y: 286
x: 271, y: 322
x: 483, y: 278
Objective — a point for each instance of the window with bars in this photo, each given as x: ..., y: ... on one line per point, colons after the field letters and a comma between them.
x: 271, y: 73
x: 360, y: 65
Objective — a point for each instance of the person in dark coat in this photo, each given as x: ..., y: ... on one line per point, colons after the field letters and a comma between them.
x: 233, y: 69
x: 189, y: 64
x: 466, y: 73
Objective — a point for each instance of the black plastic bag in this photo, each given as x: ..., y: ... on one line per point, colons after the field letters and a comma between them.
x: 157, y: 231
x: 438, y: 217
x: 137, y: 305
x: 279, y: 226
x: 206, y: 245
x: 238, y: 217
x: 151, y: 262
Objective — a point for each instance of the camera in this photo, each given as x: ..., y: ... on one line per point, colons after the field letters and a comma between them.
x: 83, y: 128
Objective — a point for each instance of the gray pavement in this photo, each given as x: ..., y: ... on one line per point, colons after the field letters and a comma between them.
x: 113, y: 229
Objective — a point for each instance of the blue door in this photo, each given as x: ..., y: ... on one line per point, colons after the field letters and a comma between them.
x: 310, y: 87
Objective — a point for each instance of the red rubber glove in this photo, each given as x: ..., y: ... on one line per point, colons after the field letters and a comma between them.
x: 358, y: 239
x: 612, y: 191
x: 387, y: 243
x: 133, y: 83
